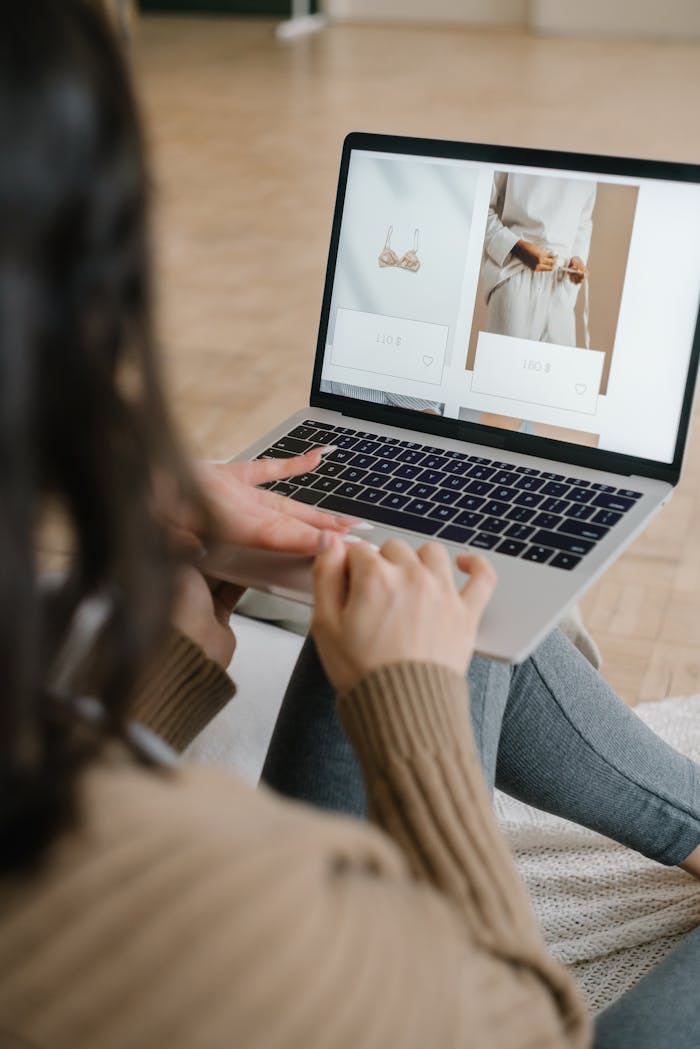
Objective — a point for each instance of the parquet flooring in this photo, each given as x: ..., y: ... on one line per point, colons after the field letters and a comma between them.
x: 245, y: 135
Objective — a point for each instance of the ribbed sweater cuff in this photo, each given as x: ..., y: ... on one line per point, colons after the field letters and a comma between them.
x: 402, y: 708
x: 181, y: 692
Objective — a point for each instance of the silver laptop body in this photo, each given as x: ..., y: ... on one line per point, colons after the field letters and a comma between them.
x: 596, y: 390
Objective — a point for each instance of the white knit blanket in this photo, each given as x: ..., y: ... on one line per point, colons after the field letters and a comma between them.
x: 607, y: 913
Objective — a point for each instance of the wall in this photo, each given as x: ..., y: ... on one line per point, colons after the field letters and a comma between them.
x: 471, y: 12
x: 679, y: 19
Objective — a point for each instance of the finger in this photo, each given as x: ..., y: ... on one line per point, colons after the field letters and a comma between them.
x: 544, y: 264
x: 261, y: 470
x: 399, y: 553
x: 329, y: 579
x: 287, y: 506
x: 364, y: 562
x: 478, y: 588
x: 435, y: 557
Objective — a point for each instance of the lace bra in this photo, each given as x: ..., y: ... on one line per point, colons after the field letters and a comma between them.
x: 408, y: 261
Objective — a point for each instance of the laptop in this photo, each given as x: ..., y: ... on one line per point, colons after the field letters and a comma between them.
x: 506, y: 361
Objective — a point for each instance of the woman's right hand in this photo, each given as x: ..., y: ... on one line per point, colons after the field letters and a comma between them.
x: 373, y: 607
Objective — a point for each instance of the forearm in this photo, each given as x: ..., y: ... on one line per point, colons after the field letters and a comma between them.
x: 411, y: 729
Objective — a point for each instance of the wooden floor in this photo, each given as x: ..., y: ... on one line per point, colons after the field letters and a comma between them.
x: 246, y: 134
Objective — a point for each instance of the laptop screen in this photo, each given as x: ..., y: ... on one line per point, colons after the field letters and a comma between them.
x: 559, y: 304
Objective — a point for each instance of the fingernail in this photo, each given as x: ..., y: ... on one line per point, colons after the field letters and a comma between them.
x: 372, y: 546
x: 324, y: 541
x: 327, y: 449
x: 362, y: 526
x: 351, y: 539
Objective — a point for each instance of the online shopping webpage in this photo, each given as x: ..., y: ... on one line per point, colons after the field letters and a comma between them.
x: 554, y: 303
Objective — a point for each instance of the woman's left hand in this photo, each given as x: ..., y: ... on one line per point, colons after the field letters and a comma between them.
x: 255, y: 517
x: 202, y: 610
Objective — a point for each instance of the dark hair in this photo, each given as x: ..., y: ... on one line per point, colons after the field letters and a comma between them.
x: 83, y: 424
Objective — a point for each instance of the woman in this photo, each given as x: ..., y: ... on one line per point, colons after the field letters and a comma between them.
x: 146, y: 904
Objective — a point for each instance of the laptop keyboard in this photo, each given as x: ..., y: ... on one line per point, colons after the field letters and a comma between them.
x: 451, y: 496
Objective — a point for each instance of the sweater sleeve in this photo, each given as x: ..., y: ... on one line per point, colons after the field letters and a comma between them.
x: 181, y: 692
x: 410, y: 727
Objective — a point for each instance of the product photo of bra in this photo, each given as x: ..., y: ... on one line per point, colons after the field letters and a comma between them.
x: 408, y: 261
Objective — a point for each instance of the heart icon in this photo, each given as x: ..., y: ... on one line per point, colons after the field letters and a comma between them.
x: 580, y: 388
x: 427, y: 361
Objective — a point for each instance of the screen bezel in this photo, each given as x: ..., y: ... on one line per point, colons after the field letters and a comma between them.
x: 475, y: 433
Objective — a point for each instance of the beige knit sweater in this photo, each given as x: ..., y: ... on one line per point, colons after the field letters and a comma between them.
x: 191, y: 912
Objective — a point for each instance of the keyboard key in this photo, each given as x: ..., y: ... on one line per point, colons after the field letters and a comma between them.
x: 603, y: 487
x: 494, y: 524
x: 385, y: 466
x: 381, y: 514
x: 528, y: 499
x: 411, y: 457
x: 340, y: 455
x: 579, y: 495
x: 291, y: 444
x: 396, y: 502
x: 555, y: 489
x: 481, y: 473
x: 434, y: 462
x: 324, y: 437
x: 303, y: 433
x: 527, y: 470
x: 284, y: 488
x: 541, y: 554
x: 407, y: 470
x: 326, y: 484
x: 552, y: 477
x: 388, y: 451
x: 529, y: 484
x: 346, y: 441
x: 584, y: 529
x: 443, y: 513
x: 507, y: 477
x: 330, y: 469
x: 317, y: 425
x: 614, y: 502
x: 503, y: 466
x: 510, y: 547
x: 547, y: 520
x: 567, y: 561
x: 419, y: 506
x: 367, y: 447
x: 478, y: 488
x: 579, y: 511
x: 568, y: 543
x: 349, y: 491
x: 343, y: 429
x: 446, y: 496
x: 606, y: 517
x: 457, y: 466
x: 479, y: 459
x: 272, y: 453
x: 424, y: 491
x: 627, y: 494
x: 505, y: 494
x: 431, y: 476
x: 453, y: 534
x: 454, y: 483
x: 554, y: 506
x: 351, y: 473
x: 398, y: 484
x: 304, y: 479
x: 578, y: 481
x: 520, y: 514
x: 518, y: 531
x: 373, y: 495
x: 484, y: 540
x: 471, y: 502
x: 469, y: 519
x: 494, y: 508
x: 375, y: 479
x: 307, y: 495
x: 365, y: 462
x: 456, y: 455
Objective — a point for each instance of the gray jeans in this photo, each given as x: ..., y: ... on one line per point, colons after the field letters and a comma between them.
x: 553, y: 734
